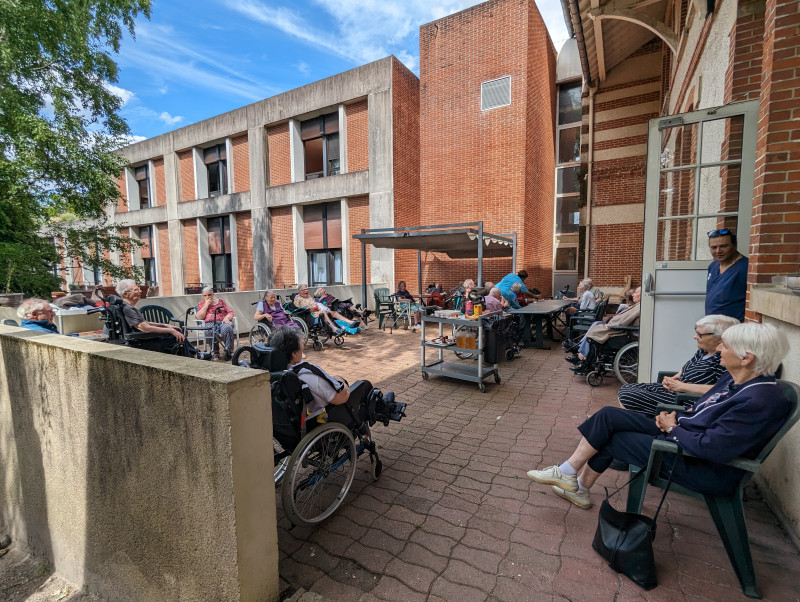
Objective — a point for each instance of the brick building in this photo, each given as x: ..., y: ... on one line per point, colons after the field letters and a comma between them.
x: 270, y: 194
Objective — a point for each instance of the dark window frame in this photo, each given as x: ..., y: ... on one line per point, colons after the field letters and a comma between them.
x: 326, y: 129
x: 225, y: 257
x: 142, y: 176
x: 215, y: 159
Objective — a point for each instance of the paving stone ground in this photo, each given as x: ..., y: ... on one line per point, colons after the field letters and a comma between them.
x: 454, y: 516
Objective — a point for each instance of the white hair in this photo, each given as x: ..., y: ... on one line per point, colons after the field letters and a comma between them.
x: 123, y: 286
x: 31, y: 306
x: 488, y: 286
x: 208, y: 289
x: 317, y: 292
x: 495, y: 292
x: 468, y: 283
x: 516, y: 287
x: 716, y: 323
x: 764, y: 341
x: 586, y: 284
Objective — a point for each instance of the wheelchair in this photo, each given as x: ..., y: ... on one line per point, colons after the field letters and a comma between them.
x: 263, y: 330
x: 315, y: 462
x: 316, y: 329
x: 619, y: 356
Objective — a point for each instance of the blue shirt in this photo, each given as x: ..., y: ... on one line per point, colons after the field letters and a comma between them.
x: 505, y: 289
x: 725, y: 293
x: 40, y: 325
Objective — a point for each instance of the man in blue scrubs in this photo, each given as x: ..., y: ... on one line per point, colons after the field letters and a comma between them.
x: 505, y: 288
x: 726, y: 286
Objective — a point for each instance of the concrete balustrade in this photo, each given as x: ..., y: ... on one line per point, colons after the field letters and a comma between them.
x: 138, y: 475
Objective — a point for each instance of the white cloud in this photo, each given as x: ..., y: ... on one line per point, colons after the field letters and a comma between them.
x: 303, y: 67
x: 169, y: 119
x: 124, y: 95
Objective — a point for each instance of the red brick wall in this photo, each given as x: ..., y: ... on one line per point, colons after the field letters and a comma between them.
x: 616, y: 252
x: 358, y: 136
x: 496, y: 165
x: 125, y: 259
x: 186, y: 170
x: 244, y: 247
x: 164, y: 264
x: 775, y: 232
x: 161, y: 182
x: 405, y: 157
x: 743, y: 77
x: 282, y: 246
x: 241, y: 163
x: 280, y: 167
x: 358, y: 212
x: 122, y: 202
x: 190, y: 257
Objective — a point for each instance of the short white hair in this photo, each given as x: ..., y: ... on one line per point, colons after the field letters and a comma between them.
x: 516, y: 287
x: 123, y: 286
x: 317, y: 292
x: 768, y: 344
x: 586, y: 284
x: 31, y: 306
x: 208, y: 289
x: 495, y: 292
x: 468, y: 282
x: 716, y: 323
x: 488, y: 285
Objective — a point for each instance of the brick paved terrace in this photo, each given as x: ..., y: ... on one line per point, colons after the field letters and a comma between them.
x: 455, y: 517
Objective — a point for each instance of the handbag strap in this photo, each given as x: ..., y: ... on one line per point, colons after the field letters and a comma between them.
x: 669, y: 483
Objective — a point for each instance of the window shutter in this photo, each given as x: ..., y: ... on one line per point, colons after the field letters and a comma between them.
x: 312, y: 227
x: 496, y: 93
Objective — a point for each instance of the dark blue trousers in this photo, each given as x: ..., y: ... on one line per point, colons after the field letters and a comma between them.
x: 628, y: 436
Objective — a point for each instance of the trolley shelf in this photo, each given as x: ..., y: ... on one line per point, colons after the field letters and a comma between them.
x: 462, y: 371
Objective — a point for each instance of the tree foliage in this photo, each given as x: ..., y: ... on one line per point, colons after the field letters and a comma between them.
x: 59, y: 126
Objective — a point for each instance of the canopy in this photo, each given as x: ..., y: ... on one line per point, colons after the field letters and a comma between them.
x: 457, y: 241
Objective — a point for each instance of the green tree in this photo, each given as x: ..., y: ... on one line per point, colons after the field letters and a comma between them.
x: 59, y: 126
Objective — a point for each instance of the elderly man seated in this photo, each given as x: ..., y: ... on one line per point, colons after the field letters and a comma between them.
x: 37, y: 314
x: 494, y: 300
x: 170, y: 335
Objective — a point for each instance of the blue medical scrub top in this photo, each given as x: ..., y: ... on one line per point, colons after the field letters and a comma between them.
x: 726, y: 292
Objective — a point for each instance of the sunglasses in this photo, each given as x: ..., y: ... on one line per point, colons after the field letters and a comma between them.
x: 720, y: 232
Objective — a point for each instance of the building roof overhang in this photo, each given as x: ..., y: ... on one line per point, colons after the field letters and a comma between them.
x: 456, y: 242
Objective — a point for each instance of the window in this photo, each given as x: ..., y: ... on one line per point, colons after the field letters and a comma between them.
x: 568, y: 157
x: 496, y: 93
x: 567, y: 259
x: 569, y: 103
x: 143, y: 182
x: 568, y: 215
x: 148, y: 257
x: 219, y: 247
x: 320, y: 137
x: 216, y: 163
x: 322, y: 232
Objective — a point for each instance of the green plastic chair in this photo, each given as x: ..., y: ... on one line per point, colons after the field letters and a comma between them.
x: 161, y: 315
x: 383, y: 301
x: 726, y: 511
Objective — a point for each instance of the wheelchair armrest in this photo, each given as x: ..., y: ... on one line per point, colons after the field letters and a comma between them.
x: 685, y: 398
x: 142, y: 336
x: 664, y: 373
x: 625, y: 328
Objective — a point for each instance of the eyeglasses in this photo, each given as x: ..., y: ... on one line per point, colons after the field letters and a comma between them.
x: 720, y: 232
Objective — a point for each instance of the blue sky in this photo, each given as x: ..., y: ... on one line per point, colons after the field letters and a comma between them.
x: 198, y: 58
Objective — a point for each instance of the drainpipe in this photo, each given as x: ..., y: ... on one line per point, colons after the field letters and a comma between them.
x: 589, y: 184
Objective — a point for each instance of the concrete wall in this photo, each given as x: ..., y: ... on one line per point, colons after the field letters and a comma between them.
x: 780, y: 476
x: 140, y: 476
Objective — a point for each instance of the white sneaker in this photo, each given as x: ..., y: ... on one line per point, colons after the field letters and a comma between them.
x: 553, y: 476
x: 579, y: 498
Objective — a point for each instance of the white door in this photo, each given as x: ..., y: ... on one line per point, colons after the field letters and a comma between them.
x: 700, y: 169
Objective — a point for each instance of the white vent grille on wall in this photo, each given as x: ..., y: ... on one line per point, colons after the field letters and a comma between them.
x: 496, y: 93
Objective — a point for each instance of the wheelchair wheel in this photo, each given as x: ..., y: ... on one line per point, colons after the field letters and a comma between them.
x: 242, y: 356
x: 594, y: 378
x: 338, y: 340
x: 463, y: 355
x: 377, y: 469
x: 303, y: 326
x: 626, y: 363
x: 260, y: 333
x: 281, y: 460
x: 509, y: 354
x: 317, y: 345
x: 319, y: 474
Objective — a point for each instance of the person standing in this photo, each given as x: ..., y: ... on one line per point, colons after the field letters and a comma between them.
x: 726, y: 284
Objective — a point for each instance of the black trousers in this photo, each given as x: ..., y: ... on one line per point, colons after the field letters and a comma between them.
x: 628, y: 436
x: 358, y: 394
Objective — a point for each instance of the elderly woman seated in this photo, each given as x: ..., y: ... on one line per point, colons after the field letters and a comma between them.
x: 37, y: 314
x: 586, y: 299
x: 323, y: 296
x: 404, y: 297
x: 272, y: 312
x: 218, y: 318
x: 697, y: 376
x: 320, y: 310
x: 736, y: 417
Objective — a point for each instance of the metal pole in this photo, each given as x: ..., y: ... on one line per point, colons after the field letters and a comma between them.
x: 363, y: 274
x: 480, y: 254
x: 514, y: 254
x: 419, y: 271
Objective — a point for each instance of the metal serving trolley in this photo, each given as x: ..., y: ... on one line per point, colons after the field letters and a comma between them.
x: 472, y: 371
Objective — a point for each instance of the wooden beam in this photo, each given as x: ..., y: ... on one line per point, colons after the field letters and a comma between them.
x: 600, y: 50
x: 632, y: 16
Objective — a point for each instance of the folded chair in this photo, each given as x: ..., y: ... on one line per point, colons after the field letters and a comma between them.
x: 726, y: 511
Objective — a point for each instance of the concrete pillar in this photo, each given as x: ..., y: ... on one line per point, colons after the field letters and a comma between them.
x: 297, y: 156
x: 234, y: 252
x: 381, y: 174
x: 174, y: 226
x: 202, y: 252
x: 200, y: 174
x: 342, y: 140
x: 261, y: 225
x: 133, y: 190
x: 300, y: 256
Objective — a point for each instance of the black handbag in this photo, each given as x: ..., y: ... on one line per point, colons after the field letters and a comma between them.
x: 625, y: 539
